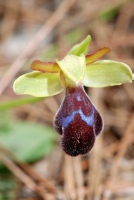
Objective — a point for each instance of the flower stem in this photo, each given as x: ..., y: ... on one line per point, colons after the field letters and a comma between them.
x: 19, y: 102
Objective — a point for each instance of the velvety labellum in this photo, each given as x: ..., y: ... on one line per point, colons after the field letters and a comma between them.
x: 78, y: 122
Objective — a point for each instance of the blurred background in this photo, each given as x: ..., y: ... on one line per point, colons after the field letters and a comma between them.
x: 32, y: 163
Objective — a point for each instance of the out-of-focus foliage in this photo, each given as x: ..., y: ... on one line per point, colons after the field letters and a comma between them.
x: 28, y: 141
x: 7, y: 187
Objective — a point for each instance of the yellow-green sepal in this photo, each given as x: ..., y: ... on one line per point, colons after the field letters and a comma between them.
x: 81, y: 48
x: 107, y: 73
x: 38, y: 84
x: 73, y: 67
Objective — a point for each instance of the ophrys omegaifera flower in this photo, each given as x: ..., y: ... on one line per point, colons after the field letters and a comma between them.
x: 77, y: 120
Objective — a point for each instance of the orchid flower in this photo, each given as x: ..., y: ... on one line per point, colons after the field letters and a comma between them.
x: 77, y: 120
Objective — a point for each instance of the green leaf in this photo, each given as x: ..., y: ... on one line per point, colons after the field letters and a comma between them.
x: 107, y: 73
x: 28, y: 141
x: 81, y: 48
x: 38, y: 84
x: 73, y: 67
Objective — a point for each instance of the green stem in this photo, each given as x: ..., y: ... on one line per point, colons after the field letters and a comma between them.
x: 19, y: 102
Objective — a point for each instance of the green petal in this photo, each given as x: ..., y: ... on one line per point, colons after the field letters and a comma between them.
x: 38, y: 84
x: 107, y: 73
x: 81, y: 48
x: 73, y: 67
